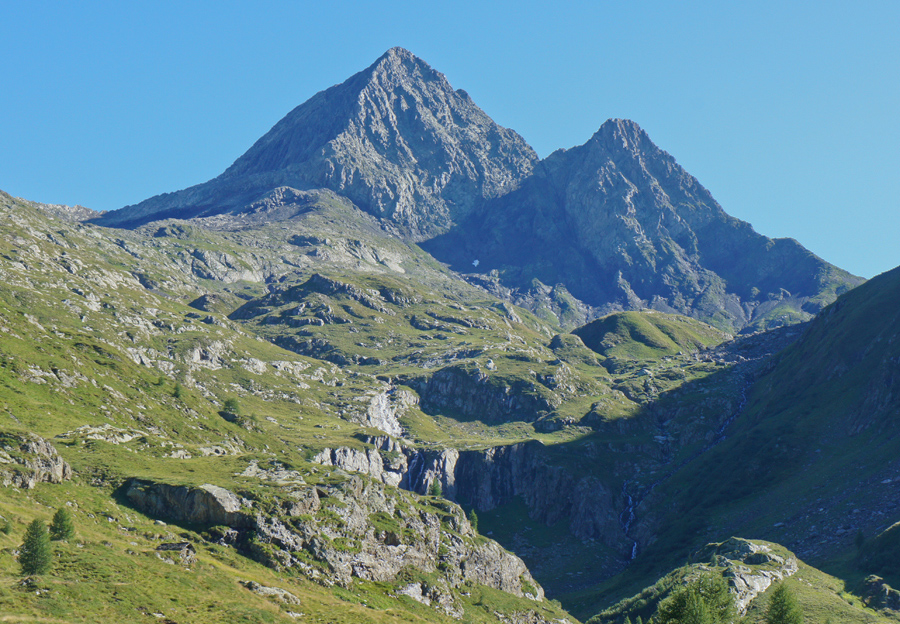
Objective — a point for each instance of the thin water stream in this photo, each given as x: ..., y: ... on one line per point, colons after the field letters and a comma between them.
x: 629, y: 514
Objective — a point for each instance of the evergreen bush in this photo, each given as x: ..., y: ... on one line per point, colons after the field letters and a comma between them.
x: 705, y: 600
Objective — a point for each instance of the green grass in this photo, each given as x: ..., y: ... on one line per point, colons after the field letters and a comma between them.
x: 648, y: 335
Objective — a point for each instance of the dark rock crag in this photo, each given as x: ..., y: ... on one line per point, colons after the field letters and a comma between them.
x: 484, y: 480
x: 623, y: 226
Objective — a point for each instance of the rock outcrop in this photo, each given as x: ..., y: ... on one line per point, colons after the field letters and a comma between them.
x: 274, y: 593
x: 28, y: 459
x: 750, y: 568
x: 879, y: 595
x: 205, y: 505
x: 356, y: 529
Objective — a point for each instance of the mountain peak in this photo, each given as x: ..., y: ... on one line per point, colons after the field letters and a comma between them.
x: 624, y: 133
x: 395, y: 139
x: 398, y: 55
x: 400, y: 68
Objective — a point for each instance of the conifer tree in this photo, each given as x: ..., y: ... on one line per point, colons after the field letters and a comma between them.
x: 783, y: 607
x: 705, y: 600
x: 36, y: 553
x: 231, y: 406
x: 62, y: 527
x: 473, y: 520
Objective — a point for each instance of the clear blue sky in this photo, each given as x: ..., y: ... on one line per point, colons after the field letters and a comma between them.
x: 789, y: 112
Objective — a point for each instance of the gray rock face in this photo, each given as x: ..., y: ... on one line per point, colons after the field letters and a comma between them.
x: 395, y: 138
x: 395, y: 463
x: 553, y: 495
x: 474, y: 393
x: 385, y: 408
x: 623, y: 226
x: 28, y: 459
x: 368, y: 532
x: 205, y: 505
x: 490, y: 478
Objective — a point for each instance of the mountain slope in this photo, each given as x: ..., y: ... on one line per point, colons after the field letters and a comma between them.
x: 129, y: 397
x: 395, y: 138
x: 623, y: 226
x: 810, y: 459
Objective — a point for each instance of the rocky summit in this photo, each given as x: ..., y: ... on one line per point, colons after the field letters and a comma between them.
x: 396, y: 139
x: 624, y: 227
x: 390, y: 367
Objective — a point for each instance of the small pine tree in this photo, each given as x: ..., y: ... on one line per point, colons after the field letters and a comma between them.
x: 36, y: 553
x: 639, y: 620
x: 435, y: 488
x: 178, y: 391
x: 473, y: 520
x: 62, y: 527
x: 231, y: 406
x: 783, y: 607
x: 696, y: 610
x: 705, y: 599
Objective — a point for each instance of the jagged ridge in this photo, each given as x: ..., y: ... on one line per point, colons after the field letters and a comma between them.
x: 623, y: 226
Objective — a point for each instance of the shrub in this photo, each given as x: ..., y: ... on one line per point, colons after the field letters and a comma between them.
x: 703, y: 600
x: 435, y: 488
